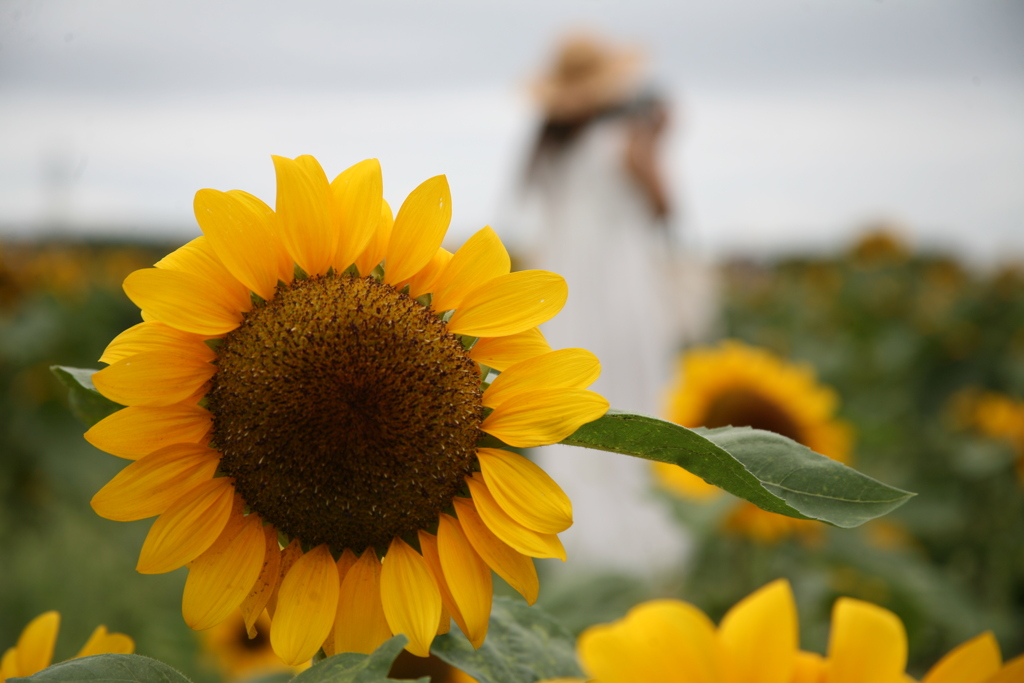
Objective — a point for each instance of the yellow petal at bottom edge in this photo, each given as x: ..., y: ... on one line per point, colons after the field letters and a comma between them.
x: 102, y: 642
x: 307, y: 603
x: 970, y: 662
x: 467, y: 576
x: 760, y: 635
x: 35, y: 646
x: 1012, y: 672
x: 412, y: 601
x: 361, y: 625
x: 867, y: 643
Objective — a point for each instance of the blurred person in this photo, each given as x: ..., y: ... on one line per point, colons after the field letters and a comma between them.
x: 593, y: 205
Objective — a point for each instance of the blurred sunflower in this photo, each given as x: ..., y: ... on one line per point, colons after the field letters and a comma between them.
x: 411, y: 667
x: 321, y: 374
x: 994, y: 415
x: 34, y: 650
x: 744, y: 386
x: 228, y: 647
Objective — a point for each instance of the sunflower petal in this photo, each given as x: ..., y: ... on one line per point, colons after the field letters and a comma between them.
x: 187, y: 528
x: 361, y: 625
x: 156, y: 336
x: 134, y: 432
x: 182, y: 300
x: 517, y: 569
x: 509, y: 304
x: 243, y: 232
x: 345, y: 562
x: 358, y: 192
x: 199, y: 258
x: 525, y: 491
x: 377, y: 247
x: 412, y: 601
x: 289, y: 556
x: 306, y: 606
x: 9, y: 664
x: 867, y: 643
x: 305, y: 208
x: 502, y: 353
x: 101, y: 642
x: 150, y: 485
x: 1012, y: 672
x: 468, y: 577
x: 562, y: 369
x: 526, y: 541
x: 153, y: 378
x: 419, y: 229
x: 809, y: 668
x: 481, y: 259
x: 35, y: 645
x: 423, y: 281
x: 544, y: 416
x: 970, y: 662
x: 428, y: 547
x: 221, y: 577
x: 760, y: 635
x: 259, y: 595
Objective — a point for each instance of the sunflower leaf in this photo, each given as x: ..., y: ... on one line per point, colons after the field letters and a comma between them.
x: 523, y: 644
x: 107, y: 669
x: 87, y: 404
x: 356, y: 668
x: 773, y: 472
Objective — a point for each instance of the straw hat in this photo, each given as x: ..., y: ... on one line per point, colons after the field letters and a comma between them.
x: 587, y: 74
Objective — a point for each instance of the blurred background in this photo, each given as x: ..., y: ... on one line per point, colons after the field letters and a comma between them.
x: 843, y: 192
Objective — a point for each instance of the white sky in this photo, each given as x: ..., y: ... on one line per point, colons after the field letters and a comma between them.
x: 797, y: 120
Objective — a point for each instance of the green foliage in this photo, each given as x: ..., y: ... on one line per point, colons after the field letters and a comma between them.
x: 87, y: 404
x: 773, y: 472
x: 356, y: 668
x: 108, y: 669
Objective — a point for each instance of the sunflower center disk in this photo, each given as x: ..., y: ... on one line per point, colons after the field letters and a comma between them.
x: 740, y: 408
x: 346, y: 412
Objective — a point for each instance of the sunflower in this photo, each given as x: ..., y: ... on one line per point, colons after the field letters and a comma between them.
x: 228, y: 647
x: 34, y: 650
x: 994, y: 415
x: 306, y: 399
x: 744, y: 386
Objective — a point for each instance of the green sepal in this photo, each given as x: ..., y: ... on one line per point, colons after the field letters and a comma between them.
x: 771, y: 471
x: 356, y: 668
x: 107, y: 669
x: 87, y: 404
x: 523, y: 644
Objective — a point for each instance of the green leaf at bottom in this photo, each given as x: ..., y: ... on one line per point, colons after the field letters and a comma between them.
x: 356, y: 668
x: 107, y: 669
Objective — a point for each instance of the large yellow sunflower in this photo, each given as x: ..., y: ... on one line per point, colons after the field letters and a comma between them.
x: 744, y: 386
x: 304, y: 404
x: 34, y: 650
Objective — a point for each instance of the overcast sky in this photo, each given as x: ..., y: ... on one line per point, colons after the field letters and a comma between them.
x: 797, y: 121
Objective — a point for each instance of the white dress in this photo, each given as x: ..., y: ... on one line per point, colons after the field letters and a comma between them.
x: 592, y: 224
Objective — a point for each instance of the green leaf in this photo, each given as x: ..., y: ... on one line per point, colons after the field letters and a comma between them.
x: 523, y: 645
x: 88, y: 405
x: 356, y: 668
x: 773, y: 472
x: 107, y: 669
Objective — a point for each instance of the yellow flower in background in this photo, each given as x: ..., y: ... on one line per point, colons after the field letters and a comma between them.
x: 994, y: 415
x: 734, y: 384
x: 228, y: 647
x: 34, y: 650
x: 321, y: 374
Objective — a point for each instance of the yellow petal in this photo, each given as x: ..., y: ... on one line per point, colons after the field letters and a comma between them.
x: 361, y: 625
x: 101, y: 642
x: 35, y: 645
x: 423, y: 281
x: 222, y: 576
x: 244, y: 233
x: 760, y: 635
x: 970, y: 662
x: 517, y: 569
x: 259, y: 595
x: 344, y: 563
x: 150, y: 485
x: 526, y: 541
x: 9, y: 665
x: 182, y: 300
x: 306, y: 606
x: 562, y: 369
x: 1012, y: 672
x: 358, y: 192
x: 199, y: 258
x: 481, y: 259
x: 467, y: 576
x: 525, y: 491
x: 289, y: 556
x: 134, y: 432
x: 867, y: 643
x: 419, y: 229
x: 153, y: 378
x: 187, y: 528
x: 501, y: 353
x: 428, y: 547
x: 668, y: 641
x: 155, y: 336
x: 545, y: 416
x: 377, y: 247
x: 305, y: 208
x: 412, y: 601
x: 509, y: 304
x: 809, y: 668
